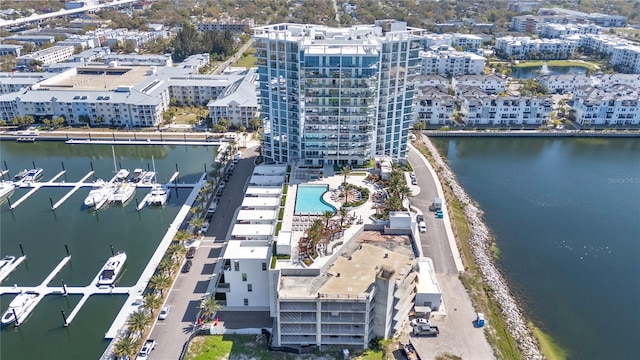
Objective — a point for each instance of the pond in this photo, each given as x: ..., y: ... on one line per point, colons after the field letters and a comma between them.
x: 534, y: 71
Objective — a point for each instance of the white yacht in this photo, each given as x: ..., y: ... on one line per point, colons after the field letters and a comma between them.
x: 137, y: 175
x: 6, y: 189
x: 20, y: 307
x: 33, y: 175
x: 99, y: 194
x: 5, y: 266
x: 20, y: 175
x: 110, y: 271
x: 123, y: 192
x: 158, y: 195
x: 122, y: 174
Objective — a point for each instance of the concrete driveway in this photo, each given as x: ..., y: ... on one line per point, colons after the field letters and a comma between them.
x: 184, y: 298
x: 435, y: 243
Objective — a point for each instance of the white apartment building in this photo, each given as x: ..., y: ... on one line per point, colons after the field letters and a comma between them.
x: 13, y: 82
x: 328, y: 306
x: 431, y: 80
x: 560, y: 31
x: 434, y: 106
x: 524, y: 47
x: 451, y: 63
x: 614, y: 105
x: 245, y: 282
x: 225, y: 25
x: 429, y: 40
x: 138, y: 60
x: 351, y: 102
x: 238, y: 103
x: 608, y: 80
x: 480, y: 109
x: 35, y: 39
x: 9, y: 49
x: 490, y: 84
x: 564, y: 83
x: 50, y: 55
x: 85, y: 42
x: 626, y: 58
x: 468, y: 42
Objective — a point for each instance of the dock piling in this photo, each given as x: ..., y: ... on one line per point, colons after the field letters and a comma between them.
x: 9, y: 203
x: 205, y: 167
x: 148, y: 168
x: 51, y: 202
x: 66, y: 247
x: 5, y: 165
x: 91, y: 163
x: 64, y: 318
x: 137, y: 204
x: 112, y: 252
x: 119, y: 165
x: 64, y: 288
x: 15, y: 316
x: 34, y: 164
x: 62, y: 162
x: 21, y: 249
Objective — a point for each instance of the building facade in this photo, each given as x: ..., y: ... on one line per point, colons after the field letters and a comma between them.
x: 478, y: 109
x: 607, y: 106
x: 336, y: 96
x: 451, y: 62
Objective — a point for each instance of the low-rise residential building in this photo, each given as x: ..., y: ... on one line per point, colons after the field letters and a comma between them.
x: 429, y: 40
x: 90, y: 55
x: 9, y: 49
x: 431, y: 80
x: 564, y: 83
x: 138, y: 60
x: 560, y: 31
x: 50, y: 55
x: 246, y: 277
x: 434, y: 106
x: 613, y: 105
x: 14, y: 82
x: 490, y: 84
x: 238, y: 103
x: 451, y: 62
x: 232, y: 25
x: 626, y: 58
x: 467, y: 42
x: 608, y: 80
x: 524, y: 47
x: 478, y: 109
x: 33, y: 39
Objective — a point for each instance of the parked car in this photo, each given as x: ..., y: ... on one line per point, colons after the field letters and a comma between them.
x: 412, y: 175
x: 146, y: 349
x: 422, y: 226
x: 187, y: 266
x: 204, y: 227
x: 414, y: 181
x: 191, y: 252
x: 420, y: 321
x: 222, y: 185
x: 420, y: 218
x: 164, y: 312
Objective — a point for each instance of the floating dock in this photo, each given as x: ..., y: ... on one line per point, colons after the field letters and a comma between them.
x: 6, y: 271
x: 143, y: 142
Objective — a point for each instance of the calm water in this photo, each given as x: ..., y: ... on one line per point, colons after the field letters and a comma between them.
x: 533, y: 72
x: 566, y: 216
x: 89, y: 235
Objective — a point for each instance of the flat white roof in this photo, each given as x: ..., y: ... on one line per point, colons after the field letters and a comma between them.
x: 248, y: 215
x: 270, y: 170
x: 247, y: 249
x: 251, y: 202
x: 285, y: 238
x: 264, y: 190
x: 427, y: 282
x: 266, y: 180
x: 252, y: 230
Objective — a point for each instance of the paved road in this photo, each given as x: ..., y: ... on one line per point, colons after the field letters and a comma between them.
x: 184, y: 298
x: 234, y: 58
x: 435, y: 243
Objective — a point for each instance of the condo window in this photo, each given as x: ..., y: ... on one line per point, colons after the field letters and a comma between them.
x: 249, y: 287
x: 236, y: 265
x: 246, y: 302
x: 264, y: 266
x: 244, y: 276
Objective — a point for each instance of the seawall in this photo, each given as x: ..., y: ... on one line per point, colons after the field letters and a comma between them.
x: 533, y: 133
x: 480, y: 244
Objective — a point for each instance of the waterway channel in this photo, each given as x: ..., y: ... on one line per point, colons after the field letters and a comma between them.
x: 566, y: 217
x: 89, y: 235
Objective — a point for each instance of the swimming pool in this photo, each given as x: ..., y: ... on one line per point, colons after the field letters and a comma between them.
x: 309, y: 200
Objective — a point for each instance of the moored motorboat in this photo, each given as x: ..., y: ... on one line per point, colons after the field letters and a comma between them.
x: 111, y: 269
x: 148, y: 177
x: 20, y: 175
x: 137, y: 175
x: 5, y: 266
x: 99, y: 194
x: 6, y: 189
x: 158, y: 195
x: 33, y: 175
x: 122, y: 174
x: 20, y: 307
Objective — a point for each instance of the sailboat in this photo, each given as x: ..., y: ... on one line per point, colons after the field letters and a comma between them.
x: 159, y: 193
x: 123, y: 190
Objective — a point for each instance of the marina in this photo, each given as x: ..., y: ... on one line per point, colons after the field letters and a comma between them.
x: 89, y: 235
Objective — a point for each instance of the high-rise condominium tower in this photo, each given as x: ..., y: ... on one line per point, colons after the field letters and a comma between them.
x: 336, y: 95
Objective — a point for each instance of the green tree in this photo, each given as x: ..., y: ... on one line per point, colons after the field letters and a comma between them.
x: 343, y: 212
x: 152, y: 302
x: 58, y: 121
x: 196, y: 222
x: 327, y: 215
x: 182, y: 236
x: 160, y: 282
x: 167, y: 265
x: 176, y: 250
x: 346, y: 171
x: 138, y: 321
x: 419, y: 125
x: 126, y: 346
x: 254, y: 124
x: 208, y: 307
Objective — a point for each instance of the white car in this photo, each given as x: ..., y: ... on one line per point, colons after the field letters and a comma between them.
x: 222, y: 185
x: 146, y: 349
x: 164, y: 312
x: 420, y: 321
x: 412, y: 175
x: 204, y: 227
x: 422, y: 227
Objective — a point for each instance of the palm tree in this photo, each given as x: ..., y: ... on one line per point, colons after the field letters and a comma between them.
x: 209, y: 306
x: 343, y: 214
x: 182, y: 236
x: 404, y: 192
x: 327, y: 215
x: 346, y: 171
x: 175, y: 250
x: 394, y: 203
x: 196, y: 223
x: 126, y: 346
x: 166, y: 265
x: 200, y: 199
x: 138, y: 321
x: 152, y: 302
x: 233, y: 146
x: 160, y: 282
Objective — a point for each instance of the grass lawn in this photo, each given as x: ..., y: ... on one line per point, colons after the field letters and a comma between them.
x: 536, y: 63
x: 247, y: 59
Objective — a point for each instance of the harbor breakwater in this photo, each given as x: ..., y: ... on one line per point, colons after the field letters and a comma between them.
x: 480, y: 243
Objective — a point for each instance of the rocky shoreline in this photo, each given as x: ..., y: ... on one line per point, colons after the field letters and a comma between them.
x: 480, y: 243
